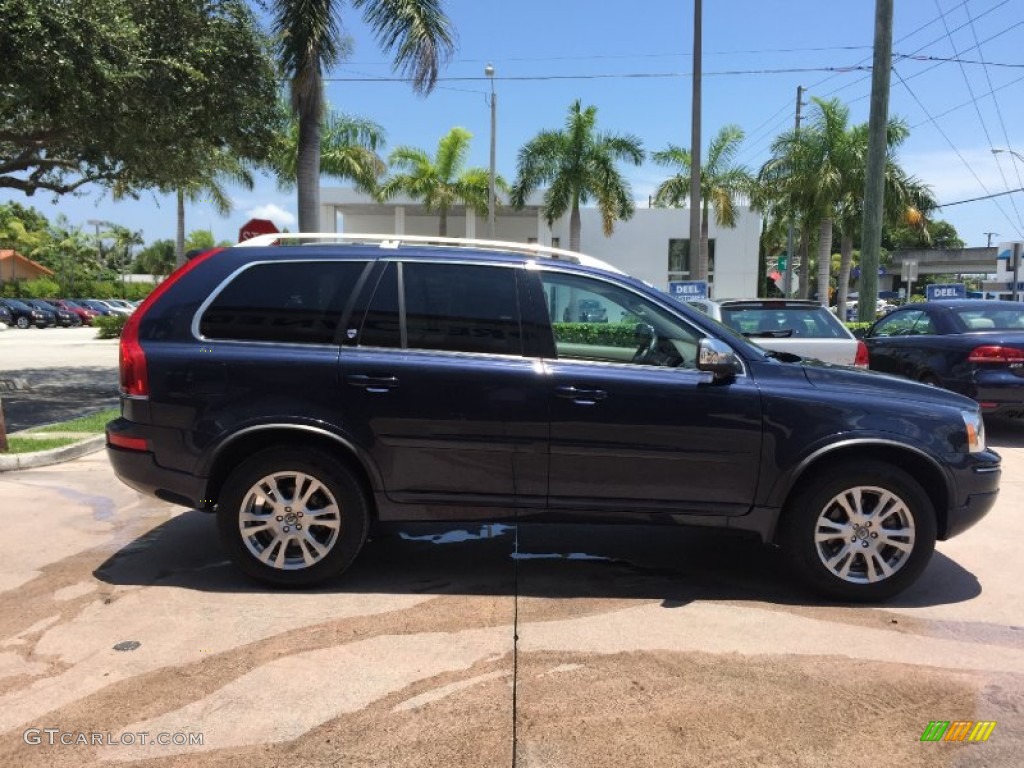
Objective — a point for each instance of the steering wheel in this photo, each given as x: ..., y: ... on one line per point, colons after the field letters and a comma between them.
x: 647, y: 347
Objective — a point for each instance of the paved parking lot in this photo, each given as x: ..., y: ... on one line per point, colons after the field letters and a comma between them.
x: 54, y: 374
x: 488, y: 645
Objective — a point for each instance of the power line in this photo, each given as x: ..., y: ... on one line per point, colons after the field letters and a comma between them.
x: 983, y: 197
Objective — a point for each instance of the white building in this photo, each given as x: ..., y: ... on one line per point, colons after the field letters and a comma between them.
x: 652, y: 246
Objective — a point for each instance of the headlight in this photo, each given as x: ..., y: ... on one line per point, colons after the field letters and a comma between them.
x: 975, y: 431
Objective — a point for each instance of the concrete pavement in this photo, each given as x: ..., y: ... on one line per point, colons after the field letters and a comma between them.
x: 485, y: 645
x: 55, y: 374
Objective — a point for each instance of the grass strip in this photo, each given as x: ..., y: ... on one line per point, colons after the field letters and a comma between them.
x: 93, y: 423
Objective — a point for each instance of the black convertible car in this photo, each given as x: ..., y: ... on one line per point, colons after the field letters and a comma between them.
x: 970, y: 346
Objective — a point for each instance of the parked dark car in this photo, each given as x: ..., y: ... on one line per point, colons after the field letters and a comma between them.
x: 85, y: 314
x: 6, y: 318
x: 26, y: 316
x: 65, y: 318
x: 971, y: 346
x: 305, y: 394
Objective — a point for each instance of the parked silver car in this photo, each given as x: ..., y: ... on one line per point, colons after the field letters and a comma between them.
x: 797, y: 326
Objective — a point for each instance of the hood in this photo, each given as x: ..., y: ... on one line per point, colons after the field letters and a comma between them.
x: 880, y: 385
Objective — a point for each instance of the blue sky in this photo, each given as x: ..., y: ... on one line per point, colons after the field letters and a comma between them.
x: 632, y: 61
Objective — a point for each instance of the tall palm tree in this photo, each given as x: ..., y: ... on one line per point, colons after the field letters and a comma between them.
x: 721, y: 184
x: 578, y: 164
x: 813, y: 166
x: 209, y: 185
x: 442, y: 181
x: 348, y: 150
x: 902, y: 193
x: 417, y: 32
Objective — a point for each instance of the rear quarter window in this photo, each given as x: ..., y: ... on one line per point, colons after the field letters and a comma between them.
x: 292, y: 302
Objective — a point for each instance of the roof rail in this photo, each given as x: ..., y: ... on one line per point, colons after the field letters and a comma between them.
x: 395, y: 241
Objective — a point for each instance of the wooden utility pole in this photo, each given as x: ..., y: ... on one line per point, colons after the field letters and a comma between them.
x: 695, y: 252
x: 874, y: 188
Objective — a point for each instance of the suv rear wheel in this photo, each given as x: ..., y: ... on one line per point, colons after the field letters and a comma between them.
x: 864, y: 532
x: 292, y: 517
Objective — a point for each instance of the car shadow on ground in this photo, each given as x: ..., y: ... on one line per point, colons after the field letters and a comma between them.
x: 1004, y: 433
x: 674, y: 565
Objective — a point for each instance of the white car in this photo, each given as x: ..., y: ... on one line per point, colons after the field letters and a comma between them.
x: 795, y: 326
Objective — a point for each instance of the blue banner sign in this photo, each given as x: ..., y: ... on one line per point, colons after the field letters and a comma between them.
x: 948, y: 291
x: 688, y: 290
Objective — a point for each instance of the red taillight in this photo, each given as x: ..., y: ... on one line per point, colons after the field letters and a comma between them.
x: 996, y: 354
x: 134, y: 374
x: 129, y: 443
x: 861, y: 361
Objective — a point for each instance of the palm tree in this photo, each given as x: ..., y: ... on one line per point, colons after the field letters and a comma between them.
x: 209, y: 186
x: 348, y: 150
x: 813, y: 165
x: 440, y: 182
x: 721, y: 183
x: 578, y: 164
x: 310, y: 41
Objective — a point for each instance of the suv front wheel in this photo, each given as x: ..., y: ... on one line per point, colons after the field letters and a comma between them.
x: 862, y: 532
x: 292, y: 517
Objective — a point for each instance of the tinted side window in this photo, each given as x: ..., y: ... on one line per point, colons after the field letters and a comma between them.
x: 298, y: 302
x: 462, y: 308
x: 382, y: 324
x: 451, y: 307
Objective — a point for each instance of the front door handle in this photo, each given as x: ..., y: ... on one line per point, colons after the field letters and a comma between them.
x: 580, y: 396
x: 376, y: 384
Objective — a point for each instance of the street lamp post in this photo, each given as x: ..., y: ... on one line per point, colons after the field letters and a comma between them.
x: 489, y: 71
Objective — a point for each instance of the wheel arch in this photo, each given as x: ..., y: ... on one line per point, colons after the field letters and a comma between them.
x: 249, y: 441
x: 919, y: 465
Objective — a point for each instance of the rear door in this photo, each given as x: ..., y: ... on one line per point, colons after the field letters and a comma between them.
x: 437, y: 386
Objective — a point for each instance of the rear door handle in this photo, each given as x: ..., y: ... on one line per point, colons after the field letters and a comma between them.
x: 376, y: 384
x: 580, y: 396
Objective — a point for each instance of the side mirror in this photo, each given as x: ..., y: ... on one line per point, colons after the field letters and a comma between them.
x: 717, y: 358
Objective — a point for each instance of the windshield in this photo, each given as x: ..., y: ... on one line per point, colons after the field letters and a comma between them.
x: 15, y: 304
x: 997, y: 318
x: 784, y: 322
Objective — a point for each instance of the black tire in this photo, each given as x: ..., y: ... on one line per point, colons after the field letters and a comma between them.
x: 895, y: 528
x: 22, y: 322
x: 293, y: 558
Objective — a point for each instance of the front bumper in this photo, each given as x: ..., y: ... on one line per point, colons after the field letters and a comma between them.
x: 978, y: 488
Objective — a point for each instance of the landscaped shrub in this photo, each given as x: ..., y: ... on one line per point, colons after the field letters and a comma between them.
x: 601, y: 334
x: 109, y: 325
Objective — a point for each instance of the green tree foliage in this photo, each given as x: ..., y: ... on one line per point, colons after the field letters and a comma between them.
x: 931, y: 234
x: 578, y: 164
x: 348, y: 151
x: 442, y: 181
x: 416, y: 33
x: 129, y: 93
x: 722, y: 183
x: 157, y: 258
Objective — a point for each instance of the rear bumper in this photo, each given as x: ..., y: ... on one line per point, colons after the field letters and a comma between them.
x: 139, y: 470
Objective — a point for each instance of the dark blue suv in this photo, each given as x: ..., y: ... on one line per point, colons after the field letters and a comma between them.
x: 307, y: 392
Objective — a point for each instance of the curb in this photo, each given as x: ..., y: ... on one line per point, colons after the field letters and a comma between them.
x: 11, y: 462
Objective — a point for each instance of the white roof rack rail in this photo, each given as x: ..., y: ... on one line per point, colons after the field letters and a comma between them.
x: 395, y: 241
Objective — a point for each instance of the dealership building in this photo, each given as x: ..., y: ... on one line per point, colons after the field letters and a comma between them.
x: 653, y: 245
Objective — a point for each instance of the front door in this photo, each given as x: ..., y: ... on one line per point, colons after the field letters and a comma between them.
x: 634, y: 426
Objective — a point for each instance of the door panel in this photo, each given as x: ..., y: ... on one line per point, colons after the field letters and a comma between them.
x: 654, y: 439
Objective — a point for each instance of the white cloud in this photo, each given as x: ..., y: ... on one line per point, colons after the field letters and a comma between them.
x: 275, y: 213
